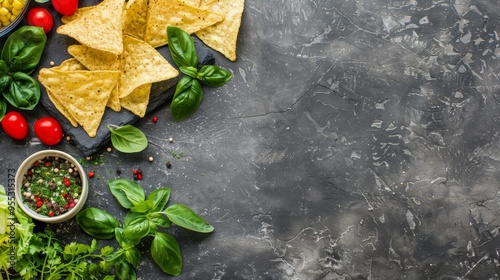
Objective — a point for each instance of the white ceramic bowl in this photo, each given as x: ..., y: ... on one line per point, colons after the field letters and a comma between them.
x: 27, y: 164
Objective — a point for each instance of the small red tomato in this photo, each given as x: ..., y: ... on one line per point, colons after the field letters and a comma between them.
x: 48, y: 130
x: 65, y: 7
x: 15, y: 125
x: 40, y: 17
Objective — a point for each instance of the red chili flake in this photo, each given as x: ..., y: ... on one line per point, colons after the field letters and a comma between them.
x: 51, y: 214
x: 155, y: 119
x: 91, y: 174
x: 39, y: 203
x: 67, y: 183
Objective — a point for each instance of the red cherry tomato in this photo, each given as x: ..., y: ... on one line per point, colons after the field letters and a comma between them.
x: 65, y: 7
x: 15, y: 125
x: 48, y: 130
x: 39, y: 16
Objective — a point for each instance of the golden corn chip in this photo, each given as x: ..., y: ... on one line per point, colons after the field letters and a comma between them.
x: 67, y: 65
x: 95, y: 59
x: 135, y: 18
x: 78, y: 13
x: 163, y: 13
x: 223, y: 35
x: 137, y: 101
x: 195, y: 3
x: 142, y: 64
x: 83, y: 93
x: 100, y: 27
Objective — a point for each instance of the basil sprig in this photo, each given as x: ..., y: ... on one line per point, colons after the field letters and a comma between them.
x: 20, y: 55
x: 147, y: 216
x: 188, y: 92
x: 127, y: 138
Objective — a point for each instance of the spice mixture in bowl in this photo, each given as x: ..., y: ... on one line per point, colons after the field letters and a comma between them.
x: 51, y: 186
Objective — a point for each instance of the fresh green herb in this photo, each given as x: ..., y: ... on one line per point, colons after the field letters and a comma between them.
x: 127, y: 138
x: 146, y: 217
x: 28, y: 255
x: 188, y: 92
x: 20, y: 55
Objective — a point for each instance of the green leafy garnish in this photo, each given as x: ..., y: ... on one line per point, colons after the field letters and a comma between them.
x: 127, y: 138
x: 146, y: 217
x: 20, y: 55
x: 188, y: 92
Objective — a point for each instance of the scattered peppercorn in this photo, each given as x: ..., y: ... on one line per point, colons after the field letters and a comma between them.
x: 170, y: 139
x: 155, y: 119
x: 150, y: 159
x: 169, y: 164
x: 91, y: 174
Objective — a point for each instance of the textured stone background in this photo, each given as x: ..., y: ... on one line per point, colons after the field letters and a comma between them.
x: 357, y: 140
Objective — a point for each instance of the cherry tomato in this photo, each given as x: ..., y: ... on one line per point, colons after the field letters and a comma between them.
x: 15, y: 125
x: 48, y: 130
x: 39, y: 16
x: 65, y: 7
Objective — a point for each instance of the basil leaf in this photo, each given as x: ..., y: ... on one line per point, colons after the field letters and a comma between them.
x: 97, y: 223
x: 127, y: 138
x: 184, y: 217
x: 137, y: 228
x: 159, y: 197
x: 127, y: 192
x: 23, y: 49
x: 166, y: 253
x: 181, y: 47
x: 190, y: 71
x: 187, y: 98
x: 159, y: 219
x: 3, y: 108
x: 213, y: 76
x: 133, y: 256
x: 125, y: 271
x: 24, y: 91
x: 131, y: 216
x: 142, y: 207
x: 125, y: 243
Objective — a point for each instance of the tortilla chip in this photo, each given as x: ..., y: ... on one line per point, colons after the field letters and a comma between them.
x: 78, y: 13
x: 70, y: 64
x: 195, y: 3
x: 137, y: 101
x: 135, y: 18
x: 163, y: 13
x: 223, y: 35
x: 142, y: 64
x: 94, y: 59
x: 100, y: 27
x: 67, y: 65
x: 83, y: 93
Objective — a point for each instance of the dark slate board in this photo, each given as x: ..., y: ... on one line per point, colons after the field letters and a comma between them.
x: 56, y: 52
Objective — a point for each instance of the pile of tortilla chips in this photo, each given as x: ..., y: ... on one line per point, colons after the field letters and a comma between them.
x: 117, y: 62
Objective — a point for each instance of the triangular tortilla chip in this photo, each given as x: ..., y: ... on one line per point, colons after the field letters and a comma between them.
x: 78, y: 13
x: 135, y: 18
x: 95, y: 59
x: 137, y: 101
x: 70, y: 64
x: 100, y: 27
x: 142, y: 64
x: 83, y: 93
x: 223, y: 35
x: 163, y: 13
